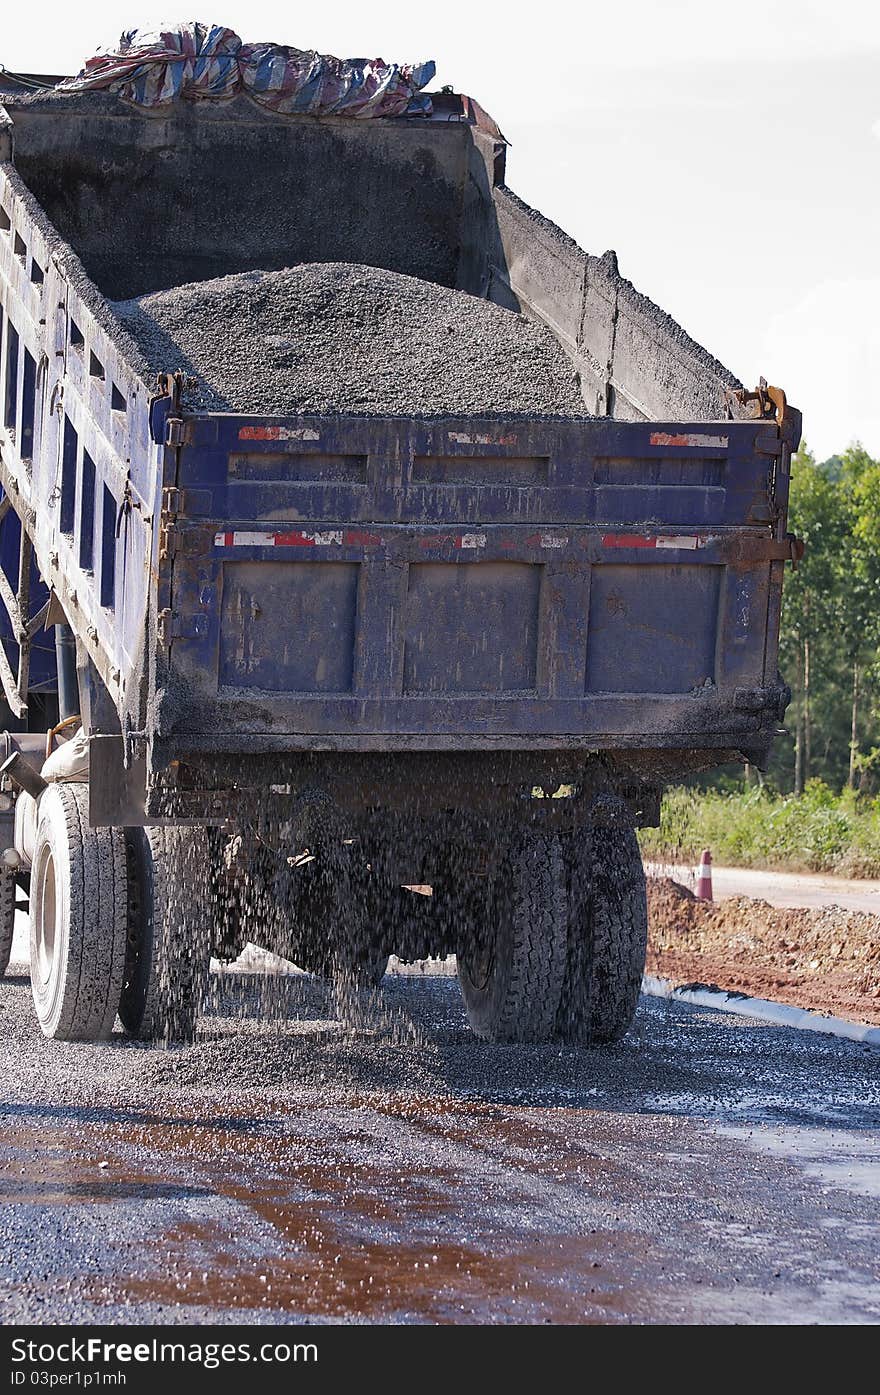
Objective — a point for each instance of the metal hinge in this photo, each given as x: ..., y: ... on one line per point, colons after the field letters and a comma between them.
x: 187, y: 541
x: 769, y: 442
x: 191, y: 503
x: 170, y: 625
x: 170, y: 506
x: 175, y: 432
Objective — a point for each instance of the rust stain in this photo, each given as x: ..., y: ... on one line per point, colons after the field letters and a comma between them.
x: 340, y: 1238
x: 327, y: 1271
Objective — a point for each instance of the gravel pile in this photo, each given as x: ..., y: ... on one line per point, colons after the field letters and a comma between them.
x: 333, y: 337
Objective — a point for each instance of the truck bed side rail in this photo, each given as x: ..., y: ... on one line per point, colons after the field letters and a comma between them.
x: 76, y: 457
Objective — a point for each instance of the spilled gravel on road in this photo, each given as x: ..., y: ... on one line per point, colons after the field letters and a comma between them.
x: 387, y: 1166
x: 410, y: 1036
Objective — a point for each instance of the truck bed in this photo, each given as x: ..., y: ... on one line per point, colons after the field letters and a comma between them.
x: 250, y: 585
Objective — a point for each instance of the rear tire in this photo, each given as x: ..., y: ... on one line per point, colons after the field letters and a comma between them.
x: 512, y: 949
x: 7, y: 916
x: 169, y: 932
x: 608, y: 932
x: 78, y: 904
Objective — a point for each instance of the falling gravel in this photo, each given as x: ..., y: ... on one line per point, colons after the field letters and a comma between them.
x: 336, y: 337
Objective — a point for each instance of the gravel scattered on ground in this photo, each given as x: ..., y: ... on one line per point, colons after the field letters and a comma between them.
x: 703, y: 1169
x: 264, y: 1032
x: 343, y: 338
x: 827, y: 960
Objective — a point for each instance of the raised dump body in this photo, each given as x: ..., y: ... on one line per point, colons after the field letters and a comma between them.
x: 397, y: 630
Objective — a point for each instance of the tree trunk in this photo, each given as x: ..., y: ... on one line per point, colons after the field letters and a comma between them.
x: 854, y: 728
x: 799, y: 728
x: 808, y: 726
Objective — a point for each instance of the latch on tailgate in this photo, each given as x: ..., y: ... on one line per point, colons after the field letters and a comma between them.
x: 772, y: 402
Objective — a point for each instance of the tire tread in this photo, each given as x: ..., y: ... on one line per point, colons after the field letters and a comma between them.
x: 92, y: 860
x: 525, y: 1004
x: 608, y: 933
x: 7, y: 916
x: 163, y: 994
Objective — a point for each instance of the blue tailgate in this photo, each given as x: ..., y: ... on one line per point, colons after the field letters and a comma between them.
x: 355, y: 583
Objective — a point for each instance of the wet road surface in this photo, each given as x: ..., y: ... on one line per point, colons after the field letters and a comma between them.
x: 707, y: 1169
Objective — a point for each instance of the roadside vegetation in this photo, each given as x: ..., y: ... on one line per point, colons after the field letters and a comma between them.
x: 818, y: 831
x: 829, y: 651
x: 817, y: 808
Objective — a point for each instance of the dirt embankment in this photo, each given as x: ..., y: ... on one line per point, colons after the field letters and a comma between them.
x: 827, y: 960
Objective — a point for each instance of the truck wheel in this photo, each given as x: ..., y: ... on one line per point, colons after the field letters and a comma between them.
x: 169, y: 932
x: 512, y: 953
x: 7, y: 916
x: 608, y: 932
x: 78, y: 906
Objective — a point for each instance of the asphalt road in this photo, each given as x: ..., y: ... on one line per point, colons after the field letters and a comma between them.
x: 708, y: 1169
x: 781, y: 888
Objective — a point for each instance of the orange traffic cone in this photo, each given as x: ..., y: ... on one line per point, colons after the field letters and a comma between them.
x: 704, y: 877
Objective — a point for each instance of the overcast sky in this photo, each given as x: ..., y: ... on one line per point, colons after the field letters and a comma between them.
x: 730, y: 154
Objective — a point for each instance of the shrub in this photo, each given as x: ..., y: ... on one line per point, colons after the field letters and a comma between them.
x: 816, y: 832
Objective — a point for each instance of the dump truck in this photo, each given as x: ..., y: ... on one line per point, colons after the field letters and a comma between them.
x: 314, y: 666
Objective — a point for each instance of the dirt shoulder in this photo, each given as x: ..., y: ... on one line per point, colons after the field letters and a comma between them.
x: 827, y: 960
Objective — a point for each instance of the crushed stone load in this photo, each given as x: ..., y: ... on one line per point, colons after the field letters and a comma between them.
x: 336, y: 337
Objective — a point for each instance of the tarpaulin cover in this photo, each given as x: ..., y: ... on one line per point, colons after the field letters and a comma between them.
x: 157, y: 67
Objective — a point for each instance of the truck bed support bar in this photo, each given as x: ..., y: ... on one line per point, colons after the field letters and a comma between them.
x: 15, y: 686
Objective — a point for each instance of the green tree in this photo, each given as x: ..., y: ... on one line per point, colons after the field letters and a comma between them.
x: 861, y: 587
x: 812, y: 607
x: 830, y: 636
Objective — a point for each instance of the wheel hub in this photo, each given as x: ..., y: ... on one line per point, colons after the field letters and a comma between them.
x: 46, y: 912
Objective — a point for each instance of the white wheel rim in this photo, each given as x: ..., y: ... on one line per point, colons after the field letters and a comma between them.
x: 46, y: 914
